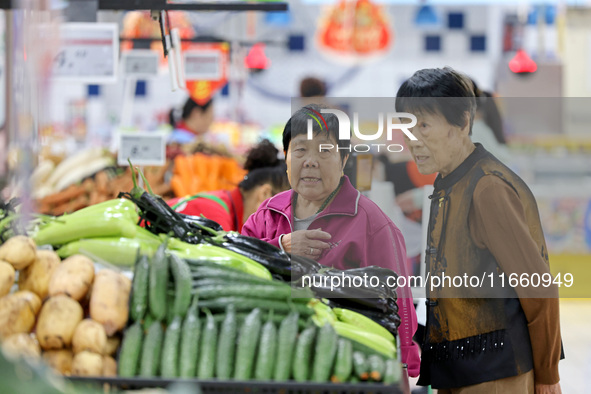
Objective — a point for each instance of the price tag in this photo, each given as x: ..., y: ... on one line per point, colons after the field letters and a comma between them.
x: 88, y: 53
x: 203, y: 65
x: 140, y: 63
x: 145, y: 149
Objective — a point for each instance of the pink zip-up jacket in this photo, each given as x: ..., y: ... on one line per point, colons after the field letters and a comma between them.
x: 362, y: 235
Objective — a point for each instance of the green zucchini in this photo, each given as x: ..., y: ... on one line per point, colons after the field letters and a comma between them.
x: 227, y: 344
x: 190, y: 342
x: 376, y: 367
x: 151, y: 351
x: 344, y: 361
x: 360, y: 366
x: 181, y: 273
x: 170, y: 349
x: 325, y: 352
x: 267, y: 354
x: 354, y: 379
x: 131, y: 347
x: 288, y: 332
x: 392, y: 372
x: 207, y: 355
x: 139, y: 292
x: 158, y: 282
x: 246, y: 304
x: 248, y: 341
x: 303, y: 353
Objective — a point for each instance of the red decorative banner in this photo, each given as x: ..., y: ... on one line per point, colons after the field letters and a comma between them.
x: 203, y: 89
x: 355, y: 29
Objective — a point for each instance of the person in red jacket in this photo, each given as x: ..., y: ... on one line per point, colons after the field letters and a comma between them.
x: 267, y: 176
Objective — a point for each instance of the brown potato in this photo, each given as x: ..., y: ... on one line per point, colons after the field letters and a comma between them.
x: 19, y: 251
x: 109, y: 366
x: 21, y: 345
x: 17, y: 313
x: 36, y: 276
x: 89, y: 335
x: 59, y: 360
x: 6, y: 278
x: 87, y: 364
x: 109, y: 300
x: 73, y: 277
x: 58, y: 319
x: 31, y: 298
x: 112, y: 345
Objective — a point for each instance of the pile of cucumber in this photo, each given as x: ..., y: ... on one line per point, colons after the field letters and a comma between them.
x: 199, y: 319
x: 255, y: 349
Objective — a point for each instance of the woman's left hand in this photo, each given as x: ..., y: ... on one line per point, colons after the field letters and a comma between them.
x: 306, y: 243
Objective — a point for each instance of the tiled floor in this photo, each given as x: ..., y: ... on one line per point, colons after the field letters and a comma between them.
x: 575, y: 369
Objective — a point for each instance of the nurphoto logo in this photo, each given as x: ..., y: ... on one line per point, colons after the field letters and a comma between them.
x: 345, y: 130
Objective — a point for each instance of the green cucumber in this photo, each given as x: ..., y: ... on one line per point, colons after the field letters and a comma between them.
x: 158, y: 282
x: 392, y: 372
x: 288, y: 332
x: 245, y: 290
x: 277, y: 318
x: 227, y: 344
x: 246, y: 304
x: 170, y: 349
x: 190, y: 342
x: 325, y: 352
x: 148, y: 320
x: 181, y: 273
x: 344, y: 361
x: 377, y: 367
x: 151, y: 351
x: 139, y: 292
x: 131, y: 347
x: 360, y: 366
x: 302, y: 356
x: 267, y: 354
x: 207, y: 356
x: 248, y: 340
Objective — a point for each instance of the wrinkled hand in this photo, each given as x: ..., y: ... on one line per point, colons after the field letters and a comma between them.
x: 306, y: 242
x: 548, y: 388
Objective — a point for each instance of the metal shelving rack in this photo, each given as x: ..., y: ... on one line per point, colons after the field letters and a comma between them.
x: 167, y: 5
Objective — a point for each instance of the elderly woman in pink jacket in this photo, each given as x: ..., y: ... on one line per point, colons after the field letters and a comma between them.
x: 325, y: 218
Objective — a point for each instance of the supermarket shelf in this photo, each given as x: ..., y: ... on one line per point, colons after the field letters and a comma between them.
x: 235, y: 387
x: 227, y: 5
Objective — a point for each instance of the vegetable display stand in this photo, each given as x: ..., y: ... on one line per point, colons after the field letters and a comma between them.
x: 251, y: 387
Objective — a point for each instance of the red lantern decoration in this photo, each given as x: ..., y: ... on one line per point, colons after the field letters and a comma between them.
x: 522, y: 63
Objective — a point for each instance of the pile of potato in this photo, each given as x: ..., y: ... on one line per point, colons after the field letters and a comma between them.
x: 62, y: 311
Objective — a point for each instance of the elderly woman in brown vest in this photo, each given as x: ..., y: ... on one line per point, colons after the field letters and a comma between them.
x: 482, y: 336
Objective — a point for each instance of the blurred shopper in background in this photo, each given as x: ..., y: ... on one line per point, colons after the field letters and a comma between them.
x: 488, y: 125
x: 483, y: 220
x: 312, y: 87
x: 266, y: 177
x: 191, y: 121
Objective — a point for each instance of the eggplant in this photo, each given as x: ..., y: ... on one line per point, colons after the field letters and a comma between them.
x: 195, y: 221
x: 275, y: 265
x: 255, y: 244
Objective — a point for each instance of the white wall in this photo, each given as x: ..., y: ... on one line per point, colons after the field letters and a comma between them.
x: 379, y: 78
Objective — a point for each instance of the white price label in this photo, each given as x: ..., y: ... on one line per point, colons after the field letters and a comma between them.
x: 140, y: 63
x: 203, y: 65
x: 145, y: 149
x: 88, y: 53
